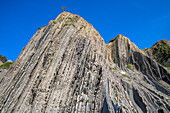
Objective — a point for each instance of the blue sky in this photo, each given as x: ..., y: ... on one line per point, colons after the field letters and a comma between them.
x: 144, y: 22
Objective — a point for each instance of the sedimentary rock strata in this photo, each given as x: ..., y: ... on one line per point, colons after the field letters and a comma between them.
x: 160, y: 51
x: 67, y: 67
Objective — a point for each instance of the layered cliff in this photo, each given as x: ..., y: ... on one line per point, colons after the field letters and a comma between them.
x: 4, y: 66
x: 67, y: 67
x: 160, y: 51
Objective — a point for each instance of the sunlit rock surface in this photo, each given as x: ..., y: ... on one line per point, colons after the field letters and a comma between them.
x: 67, y: 68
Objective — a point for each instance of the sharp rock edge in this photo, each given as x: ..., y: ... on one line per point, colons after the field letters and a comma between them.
x: 67, y: 67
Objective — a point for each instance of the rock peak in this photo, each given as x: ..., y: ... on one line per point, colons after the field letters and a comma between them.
x: 160, y: 51
x: 163, y: 41
x: 67, y: 67
x: 119, y: 37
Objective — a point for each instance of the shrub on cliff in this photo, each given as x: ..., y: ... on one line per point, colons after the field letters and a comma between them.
x: 6, y: 65
x: 3, y: 58
x: 63, y: 8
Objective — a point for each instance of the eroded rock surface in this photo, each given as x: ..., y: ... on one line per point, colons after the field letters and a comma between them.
x: 160, y: 51
x: 67, y: 67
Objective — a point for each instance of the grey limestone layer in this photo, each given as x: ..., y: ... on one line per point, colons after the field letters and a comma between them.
x: 67, y: 68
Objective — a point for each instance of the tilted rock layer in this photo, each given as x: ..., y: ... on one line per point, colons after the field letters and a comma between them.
x: 160, y: 51
x: 67, y: 67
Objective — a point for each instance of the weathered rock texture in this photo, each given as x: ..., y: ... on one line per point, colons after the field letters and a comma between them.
x: 160, y: 51
x: 67, y: 67
x: 3, y: 65
x: 1, y: 62
x: 2, y: 73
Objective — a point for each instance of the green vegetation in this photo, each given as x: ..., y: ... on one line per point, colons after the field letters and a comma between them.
x: 164, y: 83
x: 3, y: 58
x: 65, y: 25
x: 82, y: 26
x: 114, y: 68
x: 168, y: 68
x: 6, y: 65
x: 58, y: 27
x: 164, y: 50
x: 54, y: 22
x: 167, y: 85
x: 126, y: 76
x: 60, y: 19
x: 87, y: 101
x: 155, y: 57
x: 73, y: 19
x: 161, y: 52
x: 116, y: 95
x: 63, y: 8
x: 128, y: 66
x: 73, y: 25
x: 115, y: 99
x: 68, y: 25
x: 131, y: 67
x: 70, y: 21
x: 57, y: 71
x: 75, y: 100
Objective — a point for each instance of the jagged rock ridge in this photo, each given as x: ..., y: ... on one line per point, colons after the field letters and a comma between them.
x: 67, y: 67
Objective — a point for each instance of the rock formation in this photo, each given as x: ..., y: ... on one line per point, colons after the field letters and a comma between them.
x: 160, y: 51
x: 4, y: 65
x: 67, y: 67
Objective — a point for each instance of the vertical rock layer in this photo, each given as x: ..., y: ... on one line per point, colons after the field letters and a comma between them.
x: 67, y: 67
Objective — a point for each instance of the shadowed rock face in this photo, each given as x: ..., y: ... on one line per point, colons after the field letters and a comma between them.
x: 67, y: 67
x: 160, y: 51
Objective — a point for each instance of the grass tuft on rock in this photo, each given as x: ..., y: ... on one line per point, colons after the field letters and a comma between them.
x: 128, y: 66
x: 168, y: 68
x: 131, y: 67
x: 126, y: 76
x: 6, y: 65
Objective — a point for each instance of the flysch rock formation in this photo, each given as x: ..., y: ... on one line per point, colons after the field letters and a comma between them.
x: 2, y: 73
x: 160, y: 51
x: 3, y: 70
x: 67, y: 68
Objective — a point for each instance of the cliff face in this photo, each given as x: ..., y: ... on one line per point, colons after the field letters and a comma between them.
x: 160, y: 51
x: 4, y: 66
x: 67, y: 67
